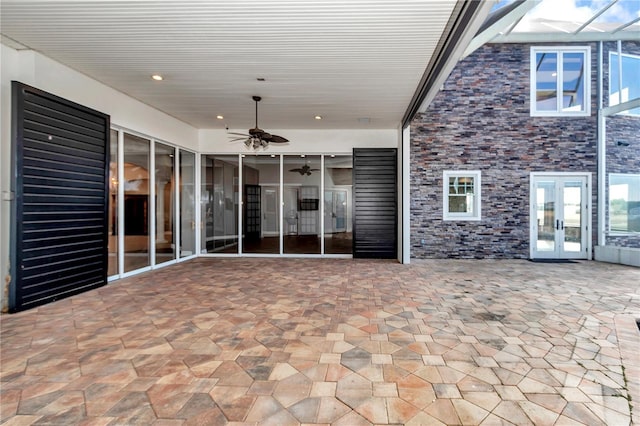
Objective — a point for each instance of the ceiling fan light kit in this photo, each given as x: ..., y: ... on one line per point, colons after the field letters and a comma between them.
x: 258, y: 138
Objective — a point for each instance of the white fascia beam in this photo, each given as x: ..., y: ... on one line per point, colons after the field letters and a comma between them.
x: 625, y: 106
x: 499, y: 26
x: 559, y: 37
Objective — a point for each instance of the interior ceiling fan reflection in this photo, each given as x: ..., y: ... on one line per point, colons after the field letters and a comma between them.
x: 304, y: 170
x: 257, y: 138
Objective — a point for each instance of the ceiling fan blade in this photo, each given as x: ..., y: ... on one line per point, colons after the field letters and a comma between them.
x: 296, y: 170
x: 237, y: 139
x: 238, y: 134
x: 278, y: 139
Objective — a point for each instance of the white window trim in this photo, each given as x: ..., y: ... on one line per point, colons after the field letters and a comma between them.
x: 629, y: 55
x: 532, y: 81
x: 477, y: 185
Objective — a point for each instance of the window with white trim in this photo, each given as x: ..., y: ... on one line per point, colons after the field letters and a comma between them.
x: 624, y: 203
x: 560, y: 81
x: 629, y: 71
x: 461, y: 189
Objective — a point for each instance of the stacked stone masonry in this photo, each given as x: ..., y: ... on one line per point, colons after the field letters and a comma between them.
x: 481, y: 120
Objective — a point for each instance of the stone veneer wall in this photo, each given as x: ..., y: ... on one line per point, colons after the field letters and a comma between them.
x: 626, y: 128
x: 480, y: 120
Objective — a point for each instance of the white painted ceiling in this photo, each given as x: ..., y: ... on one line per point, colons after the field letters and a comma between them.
x: 345, y: 60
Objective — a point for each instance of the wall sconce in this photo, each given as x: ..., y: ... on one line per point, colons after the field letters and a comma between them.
x: 621, y: 143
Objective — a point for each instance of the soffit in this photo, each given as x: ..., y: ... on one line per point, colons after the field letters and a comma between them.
x: 342, y: 59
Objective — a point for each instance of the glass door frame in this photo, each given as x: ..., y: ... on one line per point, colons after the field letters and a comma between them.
x: 559, y: 178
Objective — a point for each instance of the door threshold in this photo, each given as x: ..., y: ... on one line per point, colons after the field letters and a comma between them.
x: 552, y: 261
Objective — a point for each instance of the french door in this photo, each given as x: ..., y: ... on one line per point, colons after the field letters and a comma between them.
x: 560, y: 216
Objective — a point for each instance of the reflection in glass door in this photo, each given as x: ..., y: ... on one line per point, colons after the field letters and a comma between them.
x: 165, y: 205
x: 302, y: 178
x: 187, y: 203
x: 338, y: 193
x: 559, y: 219
x: 136, y: 202
x: 219, y: 204
x: 112, y: 243
x: 261, y: 210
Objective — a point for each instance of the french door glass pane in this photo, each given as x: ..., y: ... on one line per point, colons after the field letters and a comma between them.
x: 302, y: 178
x: 113, y: 205
x: 219, y: 204
x: 338, y: 195
x: 187, y: 203
x: 165, y: 205
x: 545, y: 210
x: 136, y: 202
x: 572, y: 192
x: 261, y: 207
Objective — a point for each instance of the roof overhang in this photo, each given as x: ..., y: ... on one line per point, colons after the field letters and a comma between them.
x: 464, y: 23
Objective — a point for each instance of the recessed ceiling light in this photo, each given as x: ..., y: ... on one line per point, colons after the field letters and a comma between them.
x: 157, y: 77
x: 318, y: 117
x: 302, y: 156
x: 220, y: 117
x: 273, y: 156
x: 333, y: 156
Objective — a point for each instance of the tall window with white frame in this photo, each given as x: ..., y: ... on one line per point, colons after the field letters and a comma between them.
x: 461, y: 189
x: 560, y: 81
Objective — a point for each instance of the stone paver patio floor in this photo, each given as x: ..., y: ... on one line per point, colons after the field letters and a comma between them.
x: 333, y: 341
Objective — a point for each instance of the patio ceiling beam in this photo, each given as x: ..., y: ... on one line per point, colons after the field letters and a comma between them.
x: 518, y: 10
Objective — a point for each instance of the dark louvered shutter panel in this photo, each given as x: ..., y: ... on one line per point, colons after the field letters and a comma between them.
x: 60, y: 182
x: 375, y: 226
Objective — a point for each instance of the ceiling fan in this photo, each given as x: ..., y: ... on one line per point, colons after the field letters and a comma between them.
x: 304, y: 170
x: 258, y: 138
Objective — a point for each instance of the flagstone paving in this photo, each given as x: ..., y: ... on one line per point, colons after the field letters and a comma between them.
x: 333, y: 341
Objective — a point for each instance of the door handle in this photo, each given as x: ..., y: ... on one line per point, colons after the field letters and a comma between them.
x: 557, y: 224
x: 562, y: 225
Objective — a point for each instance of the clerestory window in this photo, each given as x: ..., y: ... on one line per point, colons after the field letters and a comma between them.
x: 560, y: 81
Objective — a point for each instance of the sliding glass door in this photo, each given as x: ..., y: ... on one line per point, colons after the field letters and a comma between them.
x: 165, y: 203
x: 219, y: 204
x: 278, y: 205
x: 261, y: 204
x: 148, y: 211
x: 302, y: 180
x: 136, y: 202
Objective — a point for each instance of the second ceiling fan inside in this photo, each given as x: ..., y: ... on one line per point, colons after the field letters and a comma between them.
x: 258, y: 138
